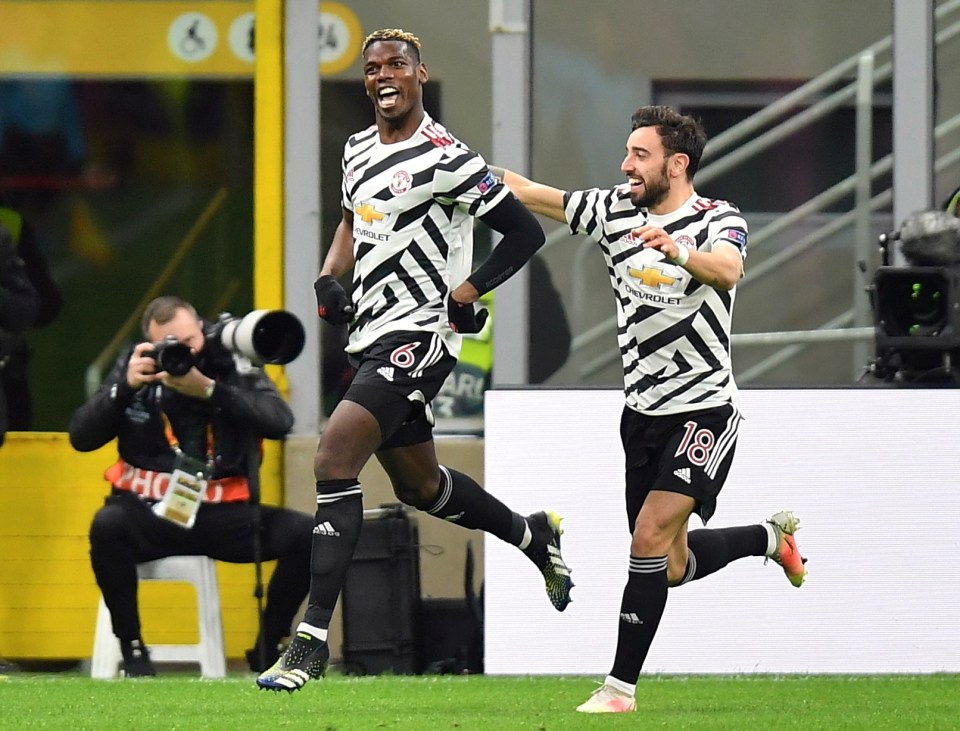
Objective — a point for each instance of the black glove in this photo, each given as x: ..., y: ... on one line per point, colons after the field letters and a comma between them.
x: 333, y: 305
x: 465, y: 319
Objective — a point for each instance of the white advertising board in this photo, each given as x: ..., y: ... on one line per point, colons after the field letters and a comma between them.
x: 873, y: 475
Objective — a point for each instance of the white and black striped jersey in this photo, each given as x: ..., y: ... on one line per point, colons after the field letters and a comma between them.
x: 673, y: 331
x: 413, y: 206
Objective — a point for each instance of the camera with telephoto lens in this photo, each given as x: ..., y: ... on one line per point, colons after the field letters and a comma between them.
x: 260, y: 337
x: 172, y: 356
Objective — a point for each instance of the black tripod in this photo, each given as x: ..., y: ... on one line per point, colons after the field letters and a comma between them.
x: 253, y: 483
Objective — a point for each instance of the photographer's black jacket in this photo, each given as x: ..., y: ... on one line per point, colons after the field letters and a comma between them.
x: 241, y: 406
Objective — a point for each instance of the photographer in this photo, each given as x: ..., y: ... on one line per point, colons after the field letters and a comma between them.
x: 196, y: 426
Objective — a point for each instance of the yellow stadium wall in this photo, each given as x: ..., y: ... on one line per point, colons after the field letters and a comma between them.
x: 48, y: 595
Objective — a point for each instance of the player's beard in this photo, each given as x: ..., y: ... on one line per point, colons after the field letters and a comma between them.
x: 655, y: 191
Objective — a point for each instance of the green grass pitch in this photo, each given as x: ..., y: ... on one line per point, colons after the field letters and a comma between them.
x: 70, y: 702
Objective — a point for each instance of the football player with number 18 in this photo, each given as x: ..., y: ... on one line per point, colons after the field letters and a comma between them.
x: 674, y: 260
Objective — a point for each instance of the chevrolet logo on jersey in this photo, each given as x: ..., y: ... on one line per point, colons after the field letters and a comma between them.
x: 368, y: 214
x: 651, y: 277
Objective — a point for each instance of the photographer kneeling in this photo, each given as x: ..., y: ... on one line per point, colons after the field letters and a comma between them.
x: 193, y: 431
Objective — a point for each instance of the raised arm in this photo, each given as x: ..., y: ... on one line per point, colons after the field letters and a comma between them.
x: 98, y: 420
x: 539, y: 198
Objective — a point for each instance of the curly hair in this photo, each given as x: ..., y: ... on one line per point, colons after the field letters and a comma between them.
x: 678, y: 132
x: 394, y: 34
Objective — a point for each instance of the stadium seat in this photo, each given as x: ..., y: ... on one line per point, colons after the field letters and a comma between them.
x: 209, y: 653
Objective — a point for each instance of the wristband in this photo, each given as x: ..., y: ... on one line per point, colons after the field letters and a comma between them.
x: 683, y: 255
x: 208, y: 391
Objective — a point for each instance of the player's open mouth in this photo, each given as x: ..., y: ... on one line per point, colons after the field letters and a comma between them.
x: 635, y: 184
x: 388, y: 96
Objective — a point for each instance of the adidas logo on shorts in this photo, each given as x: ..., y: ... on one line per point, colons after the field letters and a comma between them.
x: 683, y: 473
x: 325, y: 529
x: 386, y: 372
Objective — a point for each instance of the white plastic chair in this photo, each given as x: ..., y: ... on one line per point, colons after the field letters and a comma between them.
x: 209, y: 653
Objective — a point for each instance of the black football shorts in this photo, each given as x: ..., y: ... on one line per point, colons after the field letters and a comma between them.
x: 396, y: 379
x: 688, y: 453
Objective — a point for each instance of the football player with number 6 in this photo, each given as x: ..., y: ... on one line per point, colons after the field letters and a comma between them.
x: 410, y: 194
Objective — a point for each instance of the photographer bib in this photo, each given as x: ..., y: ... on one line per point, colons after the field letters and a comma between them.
x: 187, y: 488
x: 188, y: 482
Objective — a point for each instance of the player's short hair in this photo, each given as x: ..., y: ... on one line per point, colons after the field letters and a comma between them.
x: 678, y: 132
x: 394, y: 34
x: 162, y: 310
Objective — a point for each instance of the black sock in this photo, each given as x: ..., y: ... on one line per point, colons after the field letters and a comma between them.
x: 338, y: 520
x: 644, y: 598
x: 127, y: 647
x: 462, y: 501
x: 711, y: 550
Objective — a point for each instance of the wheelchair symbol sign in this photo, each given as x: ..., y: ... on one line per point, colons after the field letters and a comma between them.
x: 192, y: 37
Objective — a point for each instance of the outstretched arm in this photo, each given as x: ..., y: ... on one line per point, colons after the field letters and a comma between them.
x: 539, y: 198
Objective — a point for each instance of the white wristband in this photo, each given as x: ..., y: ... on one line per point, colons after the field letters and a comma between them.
x: 683, y: 254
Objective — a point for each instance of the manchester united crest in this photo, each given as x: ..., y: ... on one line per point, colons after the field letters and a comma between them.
x: 401, y: 182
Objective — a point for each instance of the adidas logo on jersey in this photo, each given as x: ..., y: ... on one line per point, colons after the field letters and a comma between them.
x: 683, y: 473
x: 630, y: 618
x: 386, y: 372
x: 325, y: 529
